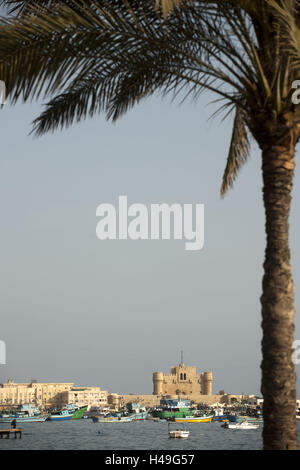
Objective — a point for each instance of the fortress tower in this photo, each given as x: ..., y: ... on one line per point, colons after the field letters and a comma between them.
x: 158, y: 378
x: 207, y: 383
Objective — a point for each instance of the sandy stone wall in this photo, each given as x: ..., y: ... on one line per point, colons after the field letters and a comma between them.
x: 154, y: 400
x: 182, y: 380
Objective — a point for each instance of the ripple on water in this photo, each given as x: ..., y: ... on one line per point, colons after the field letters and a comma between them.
x: 138, y: 435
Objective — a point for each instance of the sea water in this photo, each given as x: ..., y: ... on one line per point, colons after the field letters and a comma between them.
x: 137, y: 435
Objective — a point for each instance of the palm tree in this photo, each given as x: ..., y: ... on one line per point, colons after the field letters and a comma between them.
x: 106, y: 56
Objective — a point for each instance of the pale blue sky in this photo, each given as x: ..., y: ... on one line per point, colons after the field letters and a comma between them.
x: 109, y: 313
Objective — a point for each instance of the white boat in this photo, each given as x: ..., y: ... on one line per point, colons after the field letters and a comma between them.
x: 112, y: 419
x: 178, y: 433
x: 241, y: 425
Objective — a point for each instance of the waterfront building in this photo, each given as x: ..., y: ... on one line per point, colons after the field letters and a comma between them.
x: 51, y: 395
x: 86, y: 396
x: 40, y: 394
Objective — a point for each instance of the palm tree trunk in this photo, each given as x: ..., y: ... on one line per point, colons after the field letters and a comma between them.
x: 278, y: 311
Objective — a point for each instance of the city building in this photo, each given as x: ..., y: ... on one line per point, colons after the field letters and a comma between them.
x: 52, y: 395
x: 40, y: 394
x: 92, y: 397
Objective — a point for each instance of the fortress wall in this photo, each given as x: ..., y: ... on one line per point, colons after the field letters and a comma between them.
x: 154, y: 400
x: 206, y: 399
x: 146, y: 400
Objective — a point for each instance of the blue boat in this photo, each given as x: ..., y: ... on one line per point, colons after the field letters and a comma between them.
x: 68, y: 413
x: 220, y: 415
x: 220, y: 418
x: 24, y: 414
x: 63, y: 415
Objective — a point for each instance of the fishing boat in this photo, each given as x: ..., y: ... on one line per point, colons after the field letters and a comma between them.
x: 62, y: 415
x: 67, y: 414
x: 193, y: 419
x: 240, y: 418
x: 219, y: 415
x: 137, y: 412
x: 170, y: 408
x: 112, y: 419
x: 178, y: 433
x: 23, y: 418
x: 242, y: 425
x: 24, y: 414
x: 133, y: 412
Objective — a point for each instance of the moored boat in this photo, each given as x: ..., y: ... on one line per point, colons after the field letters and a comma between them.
x: 219, y: 415
x: 178, y: 433
x: 112, y: 419
x: 137, y: 412
x: 139, y: 416
x: 170, y: 408
x: 79, y: 412
x: 24, y: 414
x: 23, y: 418
x: 67, y: 414
x: 241, y: 418
x: 193, y: 419
x: 241, y: 425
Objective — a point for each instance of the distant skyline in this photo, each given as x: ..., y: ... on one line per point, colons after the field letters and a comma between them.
x: 109, y: 313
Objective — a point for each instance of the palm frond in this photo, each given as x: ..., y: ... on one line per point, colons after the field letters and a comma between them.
x: 238, y: 151
x: 21, y: 7
x: 41, y: 53
x: 287, y: 13
x: 85, y: 96
x: 250, y: 6
x: 167, y: 5
x: 107, y: 56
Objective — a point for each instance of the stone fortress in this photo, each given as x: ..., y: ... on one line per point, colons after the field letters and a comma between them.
x: 182, y: 380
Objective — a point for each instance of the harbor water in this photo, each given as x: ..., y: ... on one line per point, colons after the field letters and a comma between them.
x: 137, y: 435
